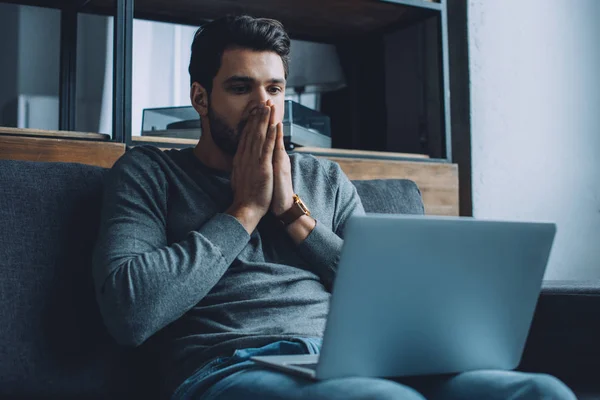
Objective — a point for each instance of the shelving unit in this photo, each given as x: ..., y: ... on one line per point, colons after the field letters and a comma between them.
x: 316, y: 20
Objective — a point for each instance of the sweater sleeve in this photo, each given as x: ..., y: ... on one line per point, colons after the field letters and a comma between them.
x: 323, y: 246
x: 142, y: 284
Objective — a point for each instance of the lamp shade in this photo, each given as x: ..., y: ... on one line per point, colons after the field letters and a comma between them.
x: 314, y: 68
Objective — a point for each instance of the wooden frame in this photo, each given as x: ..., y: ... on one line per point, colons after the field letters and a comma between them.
x: 437, y: 181
x: 101, y: 154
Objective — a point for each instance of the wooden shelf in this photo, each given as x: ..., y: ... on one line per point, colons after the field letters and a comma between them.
x: 311, y: 19
x: 320, y: 151
x: 48, y: 149
x: 344, y: 21
x: 165, y: 140
x: 317, y: 151
x: 325, y: 20
x: 53, y: 134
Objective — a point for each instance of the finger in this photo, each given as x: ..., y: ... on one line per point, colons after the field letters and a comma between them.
x: 269, y: 144
x: 280, y: 144
x: 232, y: 179
x: 247, y: 133
x: 272, y: 118
x: 247, y: 115
x: 241, y: 148
x: 260, y: 133
x: 252, y: 104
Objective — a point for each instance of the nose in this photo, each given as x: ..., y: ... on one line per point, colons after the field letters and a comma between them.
x: 261, y: 95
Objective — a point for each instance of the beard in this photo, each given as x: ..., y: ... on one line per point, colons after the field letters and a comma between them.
x: 224, y: 136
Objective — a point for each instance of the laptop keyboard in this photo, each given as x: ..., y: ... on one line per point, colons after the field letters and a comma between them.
x: 312, y: 366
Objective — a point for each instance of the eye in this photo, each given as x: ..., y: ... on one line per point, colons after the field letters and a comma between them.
x: 239, y: 89
x: 275, y: 90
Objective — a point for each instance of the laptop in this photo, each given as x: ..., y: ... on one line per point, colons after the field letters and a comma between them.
x: 420, y: 295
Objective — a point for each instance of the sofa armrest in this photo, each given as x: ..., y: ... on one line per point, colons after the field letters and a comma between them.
x: 571, y: 288
x: 564, y: 339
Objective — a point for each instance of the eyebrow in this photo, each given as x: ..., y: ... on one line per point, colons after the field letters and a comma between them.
x: 247, y: 79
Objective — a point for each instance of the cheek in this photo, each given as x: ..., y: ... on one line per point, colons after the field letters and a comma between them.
x: 229, y: 108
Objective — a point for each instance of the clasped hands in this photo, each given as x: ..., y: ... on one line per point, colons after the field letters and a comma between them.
x: 261, y: 176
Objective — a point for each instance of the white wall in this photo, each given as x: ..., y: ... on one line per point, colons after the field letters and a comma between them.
x: 535, y: 103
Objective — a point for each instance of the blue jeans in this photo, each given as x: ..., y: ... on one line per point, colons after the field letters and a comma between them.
x: 236, y: 377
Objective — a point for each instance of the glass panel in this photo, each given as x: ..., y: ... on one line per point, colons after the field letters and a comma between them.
x: 29, y: 67
x: 161, y: 104
x: 413, y: 88
x: 161, y: 54
x: 160, y: 79
x: 94, y: 73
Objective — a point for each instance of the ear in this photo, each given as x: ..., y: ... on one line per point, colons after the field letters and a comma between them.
x: 199, y: 99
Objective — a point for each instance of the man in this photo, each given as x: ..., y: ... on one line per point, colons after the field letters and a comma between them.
x: 205, y: 257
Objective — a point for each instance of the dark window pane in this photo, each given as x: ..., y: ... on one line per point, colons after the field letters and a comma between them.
x: 29, y: 66
x: 94, y: 73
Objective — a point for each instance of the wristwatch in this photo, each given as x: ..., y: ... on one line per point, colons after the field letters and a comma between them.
x: 297, y: 210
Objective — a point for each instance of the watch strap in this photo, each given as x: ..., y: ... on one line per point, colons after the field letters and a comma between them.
x: 297, y: 210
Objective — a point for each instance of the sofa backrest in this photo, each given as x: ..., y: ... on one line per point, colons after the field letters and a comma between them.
x: 390, y: 196
x: 52, y: 339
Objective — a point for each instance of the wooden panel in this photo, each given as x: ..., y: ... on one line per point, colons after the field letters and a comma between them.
x: 438, y: 182
x: 356, y: 153
x: 161, y: 139
x: 310, y: 150
x: 56, y: 134
x: 102, y: 154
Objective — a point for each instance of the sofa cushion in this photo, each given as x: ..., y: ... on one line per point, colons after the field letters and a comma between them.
x: 52, y: 340
x: 390, y: 196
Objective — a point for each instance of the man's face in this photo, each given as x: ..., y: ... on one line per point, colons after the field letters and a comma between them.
x: 245, y: 76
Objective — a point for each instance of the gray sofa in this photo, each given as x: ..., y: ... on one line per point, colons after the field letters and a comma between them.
x: 53, y: 343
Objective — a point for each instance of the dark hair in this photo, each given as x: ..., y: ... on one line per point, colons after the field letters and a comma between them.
x: 212, y: 39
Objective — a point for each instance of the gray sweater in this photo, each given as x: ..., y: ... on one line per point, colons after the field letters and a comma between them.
x: 176, y: 274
